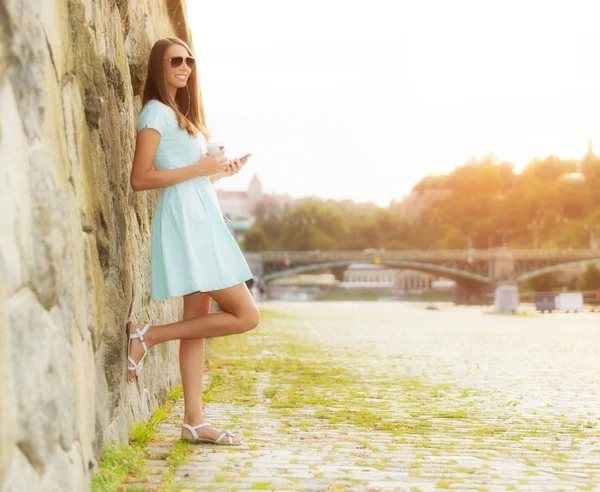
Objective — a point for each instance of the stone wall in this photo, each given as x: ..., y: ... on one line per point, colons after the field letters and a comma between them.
x: 74, y: 237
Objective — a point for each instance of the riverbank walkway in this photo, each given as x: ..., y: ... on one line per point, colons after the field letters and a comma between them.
x: 373, y: 396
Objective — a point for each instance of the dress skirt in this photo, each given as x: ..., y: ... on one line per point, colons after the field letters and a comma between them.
x: 192, y: 247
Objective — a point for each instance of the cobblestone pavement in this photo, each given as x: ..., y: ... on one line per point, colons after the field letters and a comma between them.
x: 387, y: 396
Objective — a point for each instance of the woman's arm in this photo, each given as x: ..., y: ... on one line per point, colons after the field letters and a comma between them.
x: 144, y: 177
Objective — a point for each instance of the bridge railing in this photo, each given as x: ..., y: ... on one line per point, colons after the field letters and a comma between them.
x: 556, y: 253
x: 481, y: 254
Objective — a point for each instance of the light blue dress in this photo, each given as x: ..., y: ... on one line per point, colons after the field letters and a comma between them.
x: 192, y: 248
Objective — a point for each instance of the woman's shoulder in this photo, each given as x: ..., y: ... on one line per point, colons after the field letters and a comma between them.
x: 157, y: 115
x: 156, y: 106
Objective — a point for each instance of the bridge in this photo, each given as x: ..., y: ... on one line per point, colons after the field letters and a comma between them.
x: 476, y: 272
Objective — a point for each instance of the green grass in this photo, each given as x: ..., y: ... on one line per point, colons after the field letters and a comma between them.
x: 302, y: 375
x: 338, y: 294
x: 298, y: 375
x: 176, y: 393
x: 117, y: 462
x: 177, y: 456
x: 144, y: 432
x: 120, y: 461
x: 261, y: 486
x: 270, y: 392
x: 353, y: 294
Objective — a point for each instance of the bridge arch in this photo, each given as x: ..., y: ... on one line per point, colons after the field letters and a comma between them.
x: 439, y: 270
x: 555, y: 268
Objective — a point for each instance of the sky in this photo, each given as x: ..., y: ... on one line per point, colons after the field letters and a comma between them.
x: 361, y: 100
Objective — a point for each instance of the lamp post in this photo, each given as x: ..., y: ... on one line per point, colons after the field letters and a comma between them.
x: 312, y: 223
x: 470, y: 240
x: 470, y: 246
x: 592, y: 228
x: 536, y: 226
x: 561, y: 219
x: 504, y: 233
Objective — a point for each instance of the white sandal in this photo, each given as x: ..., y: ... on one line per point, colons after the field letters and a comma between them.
x: 212, y: 441
x: 137, y: 367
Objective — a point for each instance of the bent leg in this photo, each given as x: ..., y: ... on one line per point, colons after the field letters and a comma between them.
x: 240, y: 314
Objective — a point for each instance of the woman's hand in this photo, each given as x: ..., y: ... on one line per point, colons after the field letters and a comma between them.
x: 213, y: 164
x: 232, y: 167
x: 235, y: 165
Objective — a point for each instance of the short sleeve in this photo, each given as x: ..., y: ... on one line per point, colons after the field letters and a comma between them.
x: 153, y: 115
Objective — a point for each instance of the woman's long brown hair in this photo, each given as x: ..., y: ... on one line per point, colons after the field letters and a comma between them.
x: 155, y: 87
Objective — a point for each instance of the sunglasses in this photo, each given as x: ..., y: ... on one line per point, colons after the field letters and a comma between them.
x: 176, y: 61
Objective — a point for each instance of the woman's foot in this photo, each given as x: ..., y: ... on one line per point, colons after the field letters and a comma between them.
x: 136, y: 348
x: 209, y: 433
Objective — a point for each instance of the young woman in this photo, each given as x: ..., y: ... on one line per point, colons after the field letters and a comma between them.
x: 193, y: 253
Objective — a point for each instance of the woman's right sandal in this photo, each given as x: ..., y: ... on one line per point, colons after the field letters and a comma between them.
x: 137, y: 367
x: 212, y: 441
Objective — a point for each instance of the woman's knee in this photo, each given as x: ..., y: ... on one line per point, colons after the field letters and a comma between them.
x: 238, y: 301
x: 250, y: 319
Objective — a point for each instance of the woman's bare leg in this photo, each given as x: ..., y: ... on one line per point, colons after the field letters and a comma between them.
x: 240, y: 314
x: 191, y: 365
x: 191, y: 359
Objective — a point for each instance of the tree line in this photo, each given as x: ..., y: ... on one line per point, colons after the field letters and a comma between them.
x: 484, y: 196
x: 547, y: 205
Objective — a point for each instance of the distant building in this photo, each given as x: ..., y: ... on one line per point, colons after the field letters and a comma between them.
x: 235, y: 204
x: 413, y: 280
x: 361, y: 275
x: 255, y: 193
x: 368, y: 275
x: 578, y: 176
x: 590, y: 156
x: 239, y: 206
x: 308, y: 279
